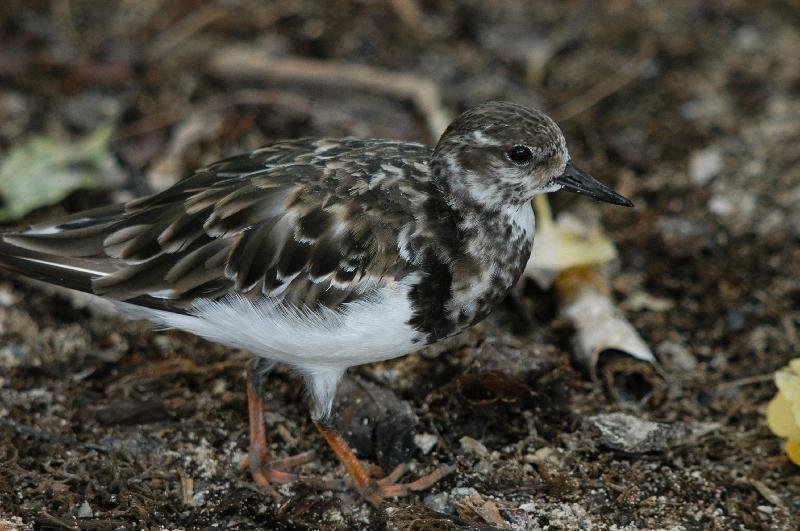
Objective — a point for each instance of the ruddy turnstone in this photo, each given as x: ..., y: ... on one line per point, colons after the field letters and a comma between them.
x: 323, y: 254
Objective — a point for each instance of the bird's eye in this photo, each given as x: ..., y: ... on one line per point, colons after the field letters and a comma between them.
x: 520, y: 154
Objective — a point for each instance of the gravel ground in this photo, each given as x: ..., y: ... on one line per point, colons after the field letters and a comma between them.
x: 690, y: 108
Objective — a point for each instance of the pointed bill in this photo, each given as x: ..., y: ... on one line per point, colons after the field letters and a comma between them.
x: 575, y: 180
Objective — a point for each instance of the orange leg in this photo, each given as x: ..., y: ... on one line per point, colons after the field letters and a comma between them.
x: 265, y: 473
x: 376, y: 490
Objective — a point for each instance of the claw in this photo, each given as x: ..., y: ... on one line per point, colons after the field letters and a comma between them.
x: 389, y: 488
x: 375, y: 491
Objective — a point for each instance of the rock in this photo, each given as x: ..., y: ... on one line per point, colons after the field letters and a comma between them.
x: 425, y: 442
x: 704, y: 165
x: 544, y: 456
x: 472, y: 446
x: 445, y: 502
x: 516, y: 360
x: 439, y: 502
x: 85, y: 510
x: 676, y: 356
x: 736, y: 209
x: 459, y: 493
x: 626, y: 433
x: 378, y: 425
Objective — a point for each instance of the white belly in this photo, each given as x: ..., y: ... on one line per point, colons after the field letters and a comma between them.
x: 369, y: 330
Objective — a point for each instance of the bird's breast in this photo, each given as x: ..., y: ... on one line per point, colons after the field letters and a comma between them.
x: 461, y: 289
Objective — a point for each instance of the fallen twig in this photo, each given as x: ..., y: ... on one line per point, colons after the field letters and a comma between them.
x: 178, y: 33
x: 749, y: 380
x: 411, y: 15
x: 241, y: 97
x: 246, y: 62
x: 606, y: 87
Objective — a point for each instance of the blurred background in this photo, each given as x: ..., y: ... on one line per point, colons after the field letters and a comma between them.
x: 690, y: 108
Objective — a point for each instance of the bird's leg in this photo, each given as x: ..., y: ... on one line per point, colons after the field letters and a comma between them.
x: 265, y: 473
x: 376, y: 490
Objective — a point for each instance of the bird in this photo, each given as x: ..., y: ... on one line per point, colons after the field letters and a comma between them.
x: 323, y: 254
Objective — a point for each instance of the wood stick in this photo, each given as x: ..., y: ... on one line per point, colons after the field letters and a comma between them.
x: 237, y: 62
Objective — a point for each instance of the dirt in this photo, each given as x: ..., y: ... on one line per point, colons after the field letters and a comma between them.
x: 690, y: 108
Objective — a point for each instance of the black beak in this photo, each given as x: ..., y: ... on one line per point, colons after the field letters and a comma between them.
x: 579, y: 182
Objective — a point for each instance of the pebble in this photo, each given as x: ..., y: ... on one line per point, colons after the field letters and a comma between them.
x: 85, y: 510
x: 620, y: 431
x: 704, y: 165
x: 528, y: 507
x: 445, y: 502
x: 677, y: 356
x: 472, y: 446
x: 425, y: 442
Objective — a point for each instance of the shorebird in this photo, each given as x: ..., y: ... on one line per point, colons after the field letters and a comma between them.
x: 323, y: 254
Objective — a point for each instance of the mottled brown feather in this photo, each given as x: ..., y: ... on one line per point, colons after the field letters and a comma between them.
x: 283, y: 221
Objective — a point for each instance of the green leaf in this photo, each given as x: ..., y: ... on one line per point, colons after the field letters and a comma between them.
x: 43, y: 171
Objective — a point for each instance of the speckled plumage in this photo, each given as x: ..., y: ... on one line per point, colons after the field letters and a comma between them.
x: 295, y: 250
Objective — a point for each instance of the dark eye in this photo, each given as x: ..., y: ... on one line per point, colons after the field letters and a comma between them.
x: 520, y: 154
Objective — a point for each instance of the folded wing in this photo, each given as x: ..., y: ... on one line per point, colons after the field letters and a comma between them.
x: 284, y: 222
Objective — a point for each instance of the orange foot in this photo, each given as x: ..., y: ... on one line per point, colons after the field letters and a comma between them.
x: 265, y: 472
x: 268, y: 473
x: 375, y: 491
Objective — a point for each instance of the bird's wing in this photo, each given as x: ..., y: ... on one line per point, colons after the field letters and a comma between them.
x: 310, y: 222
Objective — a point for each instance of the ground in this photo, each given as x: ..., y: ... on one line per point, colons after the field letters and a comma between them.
x: 690, y: 108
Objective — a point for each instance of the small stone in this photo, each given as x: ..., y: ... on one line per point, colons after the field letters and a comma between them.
x: 459, y: 493
x: 528, y: 507
x: 380, y: 426
x: 439, y: 503
x: 425, y: 442
x: 543, y: 456
x: 445, y: 502
x: 472, y: 446
x: 737, y: 209
x: 219, y: 386
x: 721, y: 205
x: 85, y: 510
x: 704, y: 165
x: 676, y: 356
x: 627, y: 433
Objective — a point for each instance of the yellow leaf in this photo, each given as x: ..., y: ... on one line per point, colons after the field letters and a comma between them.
x: 789, y: 384
x: 793, y: 451
x: 780, y: 419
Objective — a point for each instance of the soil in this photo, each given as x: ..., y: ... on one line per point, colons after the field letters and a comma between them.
x: 690, y: 108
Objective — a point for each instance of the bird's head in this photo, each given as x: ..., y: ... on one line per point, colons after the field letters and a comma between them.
x: 503, y: 153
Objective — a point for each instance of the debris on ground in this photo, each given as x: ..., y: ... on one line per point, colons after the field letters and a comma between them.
x: 690, y: 109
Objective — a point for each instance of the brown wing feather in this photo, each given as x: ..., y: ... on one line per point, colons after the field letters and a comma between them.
x: 311, y: 222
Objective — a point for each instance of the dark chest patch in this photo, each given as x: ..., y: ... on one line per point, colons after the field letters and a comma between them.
x: 472, y: 261
x: 429, y: 299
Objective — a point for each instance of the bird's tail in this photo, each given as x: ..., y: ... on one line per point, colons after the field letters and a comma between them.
x: 69, y: 272
x: 66, y: 271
